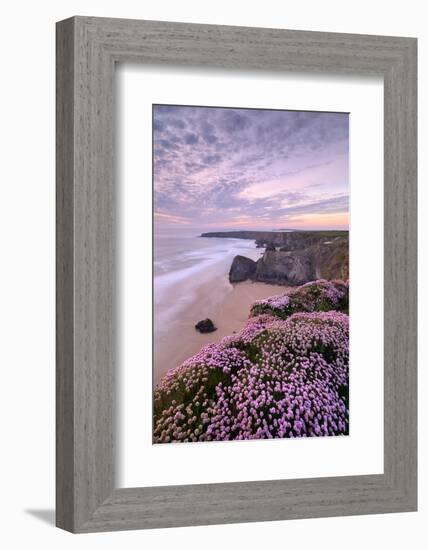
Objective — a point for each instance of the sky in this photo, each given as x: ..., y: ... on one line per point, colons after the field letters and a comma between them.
x: 221, y: 168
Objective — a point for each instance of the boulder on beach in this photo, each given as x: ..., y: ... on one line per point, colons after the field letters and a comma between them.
x: 242, y: 268
x: 206, y: 325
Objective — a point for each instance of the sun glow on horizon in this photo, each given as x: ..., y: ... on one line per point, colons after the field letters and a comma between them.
x: 304, y: 222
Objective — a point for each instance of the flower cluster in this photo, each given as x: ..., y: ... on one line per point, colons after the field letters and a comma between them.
x: 318, y: 295
x: 281, y: 302
x: 276, y: 378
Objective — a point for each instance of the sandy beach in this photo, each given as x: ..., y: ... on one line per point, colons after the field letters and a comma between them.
x: 227, y: 305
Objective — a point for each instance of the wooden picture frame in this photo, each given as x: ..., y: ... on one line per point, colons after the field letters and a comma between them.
x: 87, y: 50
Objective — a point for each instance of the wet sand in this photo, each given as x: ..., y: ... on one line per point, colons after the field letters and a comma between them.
x: 228, y: 306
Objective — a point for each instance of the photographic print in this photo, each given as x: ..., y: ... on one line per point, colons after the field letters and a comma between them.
x: 250, y: 274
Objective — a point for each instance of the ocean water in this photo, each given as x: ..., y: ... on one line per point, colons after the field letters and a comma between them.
x: 185, y: 252
x: 183, y: 262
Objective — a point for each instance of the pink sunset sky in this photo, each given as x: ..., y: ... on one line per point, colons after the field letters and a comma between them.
x: 222, y: 168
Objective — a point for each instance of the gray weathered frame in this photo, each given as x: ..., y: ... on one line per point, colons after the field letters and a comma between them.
x: 87, y: 50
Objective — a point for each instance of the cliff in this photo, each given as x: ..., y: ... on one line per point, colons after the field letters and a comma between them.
x: 314, y: 258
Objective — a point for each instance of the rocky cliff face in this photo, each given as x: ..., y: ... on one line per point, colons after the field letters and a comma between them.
x: 292, y: 265
x: 293, y: 268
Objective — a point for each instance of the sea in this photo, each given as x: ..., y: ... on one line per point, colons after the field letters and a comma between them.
x: 183, y: 262
x: 183, y: 252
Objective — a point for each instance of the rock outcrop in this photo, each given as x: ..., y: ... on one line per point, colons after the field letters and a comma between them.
x: 242, y: 268
x: 327, y: 259
x: 293, y: 268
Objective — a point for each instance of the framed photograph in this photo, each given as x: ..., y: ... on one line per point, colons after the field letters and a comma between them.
x: 236, y: 274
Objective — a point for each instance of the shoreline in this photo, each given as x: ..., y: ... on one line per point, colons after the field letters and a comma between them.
x: 227, y: 305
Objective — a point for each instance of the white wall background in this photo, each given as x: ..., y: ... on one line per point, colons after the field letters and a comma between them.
x: 27, y: 271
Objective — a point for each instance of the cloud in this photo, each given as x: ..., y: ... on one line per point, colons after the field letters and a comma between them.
x: 191, y: 139
x: 212, y: 159
x: 214, y: 163
x: 234, y: 121
x: 170, y: 218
